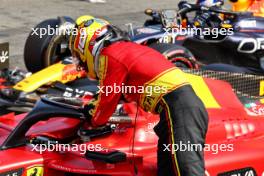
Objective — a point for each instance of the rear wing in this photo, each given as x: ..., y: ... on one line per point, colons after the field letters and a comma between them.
x: 4, y: 55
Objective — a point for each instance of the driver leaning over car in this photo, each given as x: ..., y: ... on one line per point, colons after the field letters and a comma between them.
x: 115, y: 61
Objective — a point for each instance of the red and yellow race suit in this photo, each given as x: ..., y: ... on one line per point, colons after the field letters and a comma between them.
x: 139, y: 73
x: 142, y: 74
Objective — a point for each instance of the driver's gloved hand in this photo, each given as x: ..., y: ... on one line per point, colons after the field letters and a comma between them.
x: 88, y: 111
x: 89, y: 108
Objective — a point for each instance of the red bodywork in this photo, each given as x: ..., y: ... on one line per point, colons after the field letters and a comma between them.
x: 230, y: 125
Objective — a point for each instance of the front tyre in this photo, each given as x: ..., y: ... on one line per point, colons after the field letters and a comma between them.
x: 46, y: 47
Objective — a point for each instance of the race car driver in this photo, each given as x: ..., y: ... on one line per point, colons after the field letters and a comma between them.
x: 115, y: 61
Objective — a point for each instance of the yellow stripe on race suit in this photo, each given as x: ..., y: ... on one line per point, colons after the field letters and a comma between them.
x: 160, y: 85
x: 172, y: 136
x: 102, y: 69
x: 170, y: 80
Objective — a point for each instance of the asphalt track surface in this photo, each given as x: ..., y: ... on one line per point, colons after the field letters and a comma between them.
x: 17, y: 17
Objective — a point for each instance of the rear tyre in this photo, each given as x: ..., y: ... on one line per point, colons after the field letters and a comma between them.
x: 178, y: 55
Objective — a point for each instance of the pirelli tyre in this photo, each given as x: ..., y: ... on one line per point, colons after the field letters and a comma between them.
x: 44, y: 46
x: 178, y: 55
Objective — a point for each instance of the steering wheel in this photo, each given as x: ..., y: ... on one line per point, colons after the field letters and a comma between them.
x: 170, y: 18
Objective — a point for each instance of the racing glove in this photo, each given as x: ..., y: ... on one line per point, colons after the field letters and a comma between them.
x: 89, y: 106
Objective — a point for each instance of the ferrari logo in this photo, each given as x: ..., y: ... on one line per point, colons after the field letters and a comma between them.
x: 35, y: 171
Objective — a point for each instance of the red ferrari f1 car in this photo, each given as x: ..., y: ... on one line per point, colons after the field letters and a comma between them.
x: 47, y: 141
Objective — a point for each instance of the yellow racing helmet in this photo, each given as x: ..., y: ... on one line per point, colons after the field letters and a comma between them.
x: 241, y: 5
x: 86, y: 40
